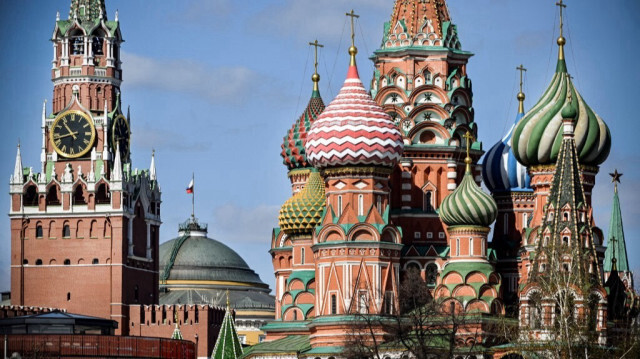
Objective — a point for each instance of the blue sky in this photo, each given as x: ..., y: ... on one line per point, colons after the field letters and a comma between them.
x: 214, y: 85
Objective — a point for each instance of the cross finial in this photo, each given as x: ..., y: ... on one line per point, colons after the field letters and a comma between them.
x: 353, y: 50
x: 615, y: 178
x: 522, y: 70
x: 315, y: 77
x: 469, y: 139
x: 561, y: 39
x: 521, y: 96
x: 562, y: 6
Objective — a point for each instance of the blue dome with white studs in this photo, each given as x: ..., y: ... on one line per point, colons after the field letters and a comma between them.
x: 500, y: 169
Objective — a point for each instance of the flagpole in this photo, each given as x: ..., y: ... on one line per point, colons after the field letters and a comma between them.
x: 193, y: 197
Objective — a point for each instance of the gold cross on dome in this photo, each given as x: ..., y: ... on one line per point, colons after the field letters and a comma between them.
x: 469, y: 137
x: 316, y: 44
x: 522, y: 71
x: 562, y: 6
x: 353, y: 16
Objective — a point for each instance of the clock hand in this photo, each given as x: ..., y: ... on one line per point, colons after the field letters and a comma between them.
x: 68, y: 129
x: 63, y: 136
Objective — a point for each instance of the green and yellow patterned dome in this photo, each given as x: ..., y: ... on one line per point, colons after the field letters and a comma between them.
x: 468, y: 205
x: 301, y: 213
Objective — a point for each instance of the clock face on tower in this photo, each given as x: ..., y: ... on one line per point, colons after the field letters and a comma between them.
x: 120, y: 135
x: 72, y: 134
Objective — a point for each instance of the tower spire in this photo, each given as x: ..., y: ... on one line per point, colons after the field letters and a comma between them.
x: 17, y: 171
x: 315, y: 77
x: 116, y: 175
x: 353, y: 50
x: 521, y: 95
x: 561, y: 39
x: 152, y: 167
x: 615, y: 257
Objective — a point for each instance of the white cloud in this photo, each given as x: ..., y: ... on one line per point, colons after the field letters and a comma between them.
x: 309, y: 19
x: 154, y: 136
x: 216, y: 84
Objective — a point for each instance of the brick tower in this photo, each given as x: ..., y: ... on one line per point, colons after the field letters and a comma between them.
x: 85, y: 229
x: 421, y: 81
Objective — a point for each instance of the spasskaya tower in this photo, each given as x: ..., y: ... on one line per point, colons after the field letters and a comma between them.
x: 85, y: 228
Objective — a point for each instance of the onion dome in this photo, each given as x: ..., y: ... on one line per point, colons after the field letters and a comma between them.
x: 301, y: 213
x: 468, y: 205
x: 353, y: 130
x: 293, y: 153
x: 538, y: 136
x: 500, y: 169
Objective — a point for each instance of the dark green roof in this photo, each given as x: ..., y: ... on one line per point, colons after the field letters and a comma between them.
x: 290, y: 345
x: 193, y: 256
x: 617, y: 247
x: 228, y: 344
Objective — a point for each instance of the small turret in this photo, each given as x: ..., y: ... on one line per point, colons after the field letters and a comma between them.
x: 18, y: 177
x: 152, y: 167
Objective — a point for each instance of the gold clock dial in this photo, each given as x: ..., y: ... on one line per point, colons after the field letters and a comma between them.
x: 120, y: 135
x: 72, y: 134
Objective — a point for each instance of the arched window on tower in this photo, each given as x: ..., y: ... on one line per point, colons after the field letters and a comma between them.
x: 360, y: 205
x: 66, y: 230
x: 428, y: 202
x: 30, y: 197
x: 39, y: 231
x: 78, y: 196
x: 52, y: 196
x: 339, y: 206
x: 102, y: 194
x: 77, y: 42
x: 457, y: 246
x: 471, y: 247
x: 97, y: 43
x: 301, y: 255
x: 379, y: 203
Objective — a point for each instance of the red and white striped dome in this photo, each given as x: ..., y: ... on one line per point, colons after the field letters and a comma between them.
x: 353, y: 130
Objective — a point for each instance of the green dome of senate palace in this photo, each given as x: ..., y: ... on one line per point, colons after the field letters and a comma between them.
x: 192, y: 256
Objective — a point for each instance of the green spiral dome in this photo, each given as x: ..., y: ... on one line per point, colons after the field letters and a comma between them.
x: 468, y: 205
x: 301, y: 213
x: 538, y: 135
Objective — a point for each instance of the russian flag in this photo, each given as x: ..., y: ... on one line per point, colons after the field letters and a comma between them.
x: 190, y: 187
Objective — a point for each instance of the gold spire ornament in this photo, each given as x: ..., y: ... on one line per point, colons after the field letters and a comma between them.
x: 469, y: 137
x: 561, y: 39
x: 521, y: 95
x: 353, y: 50
x: 315, y: 77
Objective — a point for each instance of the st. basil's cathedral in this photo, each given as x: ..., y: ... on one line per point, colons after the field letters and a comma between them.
x: 384, y: 181
x: 388, y: 180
